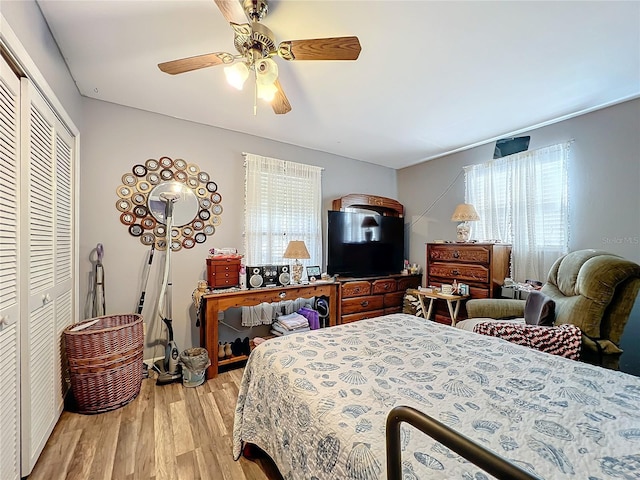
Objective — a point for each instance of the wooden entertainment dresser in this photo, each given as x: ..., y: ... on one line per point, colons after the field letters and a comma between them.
x: 482, y: 266
x: 361, y: 298
x: 367, y: 297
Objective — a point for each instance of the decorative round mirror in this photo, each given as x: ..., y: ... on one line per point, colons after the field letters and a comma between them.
x: 145, y: 195
x: 185, y: 203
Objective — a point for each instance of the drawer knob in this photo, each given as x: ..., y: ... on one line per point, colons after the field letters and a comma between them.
x: 455, y: 272
x: 365, y: 303
x: 456, y: 254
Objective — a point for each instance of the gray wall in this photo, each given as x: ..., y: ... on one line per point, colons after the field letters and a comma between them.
x: 604, y: 192
x: 115, y: 138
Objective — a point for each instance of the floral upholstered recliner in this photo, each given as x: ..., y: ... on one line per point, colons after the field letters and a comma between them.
x: 593, y: 290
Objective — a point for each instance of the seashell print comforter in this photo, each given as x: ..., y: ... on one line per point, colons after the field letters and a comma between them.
x: 317, y: 403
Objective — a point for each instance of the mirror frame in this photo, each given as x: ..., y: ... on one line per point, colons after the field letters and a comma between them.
x: 133, y: 203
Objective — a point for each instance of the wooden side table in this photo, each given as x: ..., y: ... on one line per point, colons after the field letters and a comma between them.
x: 453, y: 302
x: 220, y: 301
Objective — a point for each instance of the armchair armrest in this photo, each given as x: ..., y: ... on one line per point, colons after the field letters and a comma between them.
x: 495, y: 308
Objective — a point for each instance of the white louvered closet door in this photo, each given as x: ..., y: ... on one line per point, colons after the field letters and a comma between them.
x: 47, y: 193
x: 9, y: 263
x: 64, y: 248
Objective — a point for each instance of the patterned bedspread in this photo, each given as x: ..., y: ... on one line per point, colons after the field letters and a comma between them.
x: 317, y: 403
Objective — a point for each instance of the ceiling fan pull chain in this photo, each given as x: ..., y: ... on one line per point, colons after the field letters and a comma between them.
x: 255, y: 98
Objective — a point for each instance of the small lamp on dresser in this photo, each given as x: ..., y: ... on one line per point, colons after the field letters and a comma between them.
x: 296, y: 250
x: 464, y: 213
x: 368, y: 223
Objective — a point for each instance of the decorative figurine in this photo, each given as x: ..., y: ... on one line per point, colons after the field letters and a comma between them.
x: 198, y: 293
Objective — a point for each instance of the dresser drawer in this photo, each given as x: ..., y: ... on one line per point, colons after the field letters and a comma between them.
x: 360, y: 304
x: 479, y: 292
x: 355, y: 289
x: 409, y: 282
x: 222, y: 268
x: 467, y: 254
x: 383, y: 286
x: 225, y: 281
x: 459, y: 272
x: 393, y: 299
x: 354, y: 317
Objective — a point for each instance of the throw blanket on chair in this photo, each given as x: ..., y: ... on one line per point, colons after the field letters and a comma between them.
x: 563, y: 340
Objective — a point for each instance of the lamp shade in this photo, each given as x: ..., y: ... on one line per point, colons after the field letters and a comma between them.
x: 369, y: 222
x: 296, y: 249
x: 237, y: 74
x: 465, y: 212
x: 267, y: 92
x: 266, y: 71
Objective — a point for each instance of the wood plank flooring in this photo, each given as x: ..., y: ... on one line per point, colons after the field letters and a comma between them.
x: 168, y: 432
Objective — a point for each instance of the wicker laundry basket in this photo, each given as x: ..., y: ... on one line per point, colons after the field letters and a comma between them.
x: 105, y: 361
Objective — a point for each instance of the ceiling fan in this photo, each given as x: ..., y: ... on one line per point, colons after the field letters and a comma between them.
x: 256, y: 46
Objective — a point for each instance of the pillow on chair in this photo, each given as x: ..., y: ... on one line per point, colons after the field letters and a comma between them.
x: 539, y: 309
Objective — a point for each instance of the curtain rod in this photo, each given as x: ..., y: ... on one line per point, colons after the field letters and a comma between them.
x: 244, y: 154
x: 567, y: 143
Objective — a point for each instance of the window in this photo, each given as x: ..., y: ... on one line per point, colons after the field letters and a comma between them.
x: 283, y: 202
x: 522, y: 200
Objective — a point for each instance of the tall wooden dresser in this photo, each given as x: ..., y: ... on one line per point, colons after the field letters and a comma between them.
x: 482, y: 266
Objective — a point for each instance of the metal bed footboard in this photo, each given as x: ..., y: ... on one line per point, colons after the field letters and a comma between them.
x: 475, y: 453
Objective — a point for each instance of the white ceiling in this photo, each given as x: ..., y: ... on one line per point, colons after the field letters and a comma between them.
x: 432, y: 78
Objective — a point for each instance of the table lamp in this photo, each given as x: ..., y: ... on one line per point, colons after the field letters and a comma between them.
x: 296, y: 250
x: 368, y: 223
x: 464, y: 213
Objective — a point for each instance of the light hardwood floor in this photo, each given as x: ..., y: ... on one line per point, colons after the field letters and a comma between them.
x: 168, y: 432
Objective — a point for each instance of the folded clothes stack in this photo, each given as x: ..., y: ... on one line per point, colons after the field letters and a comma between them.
x: 288, y: 324
x: 312, y: 316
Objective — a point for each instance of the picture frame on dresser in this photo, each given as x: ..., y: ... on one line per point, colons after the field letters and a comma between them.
x: 313, y: 271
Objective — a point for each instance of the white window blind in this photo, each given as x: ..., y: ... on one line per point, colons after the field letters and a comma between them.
x: 522, y: 199
x: 283, y: 202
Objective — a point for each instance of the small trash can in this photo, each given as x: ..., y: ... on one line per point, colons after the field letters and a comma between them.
x: 194, y: 365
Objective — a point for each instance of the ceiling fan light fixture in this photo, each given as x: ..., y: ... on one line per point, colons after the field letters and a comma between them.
x: 266, y: 71
x: 267, y: 92
x: 237, y: 74
x: 256, y: 45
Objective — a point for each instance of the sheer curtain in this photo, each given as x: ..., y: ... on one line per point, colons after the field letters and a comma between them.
x: 283, y: 202
x: 522, y: 199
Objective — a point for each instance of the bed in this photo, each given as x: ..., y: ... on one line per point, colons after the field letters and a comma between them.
x: 317, y: 403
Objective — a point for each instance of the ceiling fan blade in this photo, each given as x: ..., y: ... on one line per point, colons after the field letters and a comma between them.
x: 232, y: 11
x: 194, y: 63
x: 336, y: 48
x: 280, y: 102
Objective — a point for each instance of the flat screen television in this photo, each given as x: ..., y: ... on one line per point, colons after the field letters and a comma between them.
x: 364, y: 244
